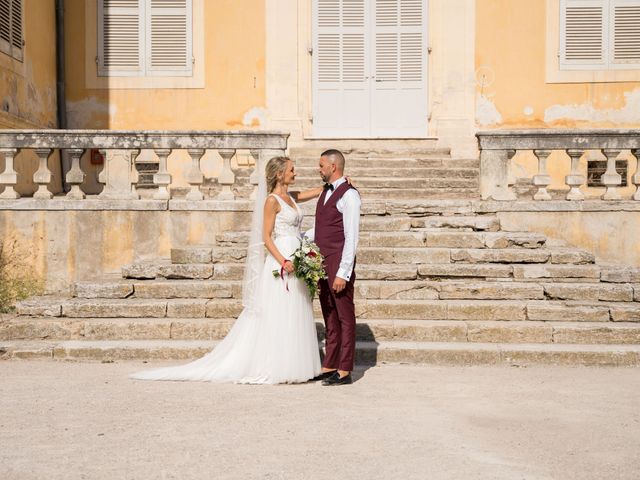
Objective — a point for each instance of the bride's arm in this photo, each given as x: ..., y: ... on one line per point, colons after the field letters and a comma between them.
x: 306, y: 194
x: 271, y: 208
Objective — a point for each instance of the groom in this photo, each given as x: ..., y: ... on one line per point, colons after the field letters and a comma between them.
x: 336, y: 234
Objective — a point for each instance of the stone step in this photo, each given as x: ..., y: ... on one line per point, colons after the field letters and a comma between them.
x: 405, y: 309
x: 445, y: 193
x: 26, y: 328
x: 395, y: 183
x: 398, y: 172
x: 436, y: 353
x: 371, y: 289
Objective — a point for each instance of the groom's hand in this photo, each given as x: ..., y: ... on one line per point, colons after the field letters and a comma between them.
x: 339, y: 284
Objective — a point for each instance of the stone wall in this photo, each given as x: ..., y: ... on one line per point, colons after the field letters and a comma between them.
x: 67, y: 245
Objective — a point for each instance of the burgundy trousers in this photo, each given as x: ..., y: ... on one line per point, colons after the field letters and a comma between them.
x: 339, y: 315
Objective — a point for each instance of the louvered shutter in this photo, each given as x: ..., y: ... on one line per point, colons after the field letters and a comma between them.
x: 583, y: 34
x: 341, y: 100
x: 625, y: 34
x: 5, y: 26
x: 399, y: 106
x: 120, y: 37
x: 169, y: 38
x: 11, y: 36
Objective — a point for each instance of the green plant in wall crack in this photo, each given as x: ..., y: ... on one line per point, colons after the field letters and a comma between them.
x: 17, y: 278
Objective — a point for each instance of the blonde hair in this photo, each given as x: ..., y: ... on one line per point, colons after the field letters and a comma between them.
x: 275, y: 167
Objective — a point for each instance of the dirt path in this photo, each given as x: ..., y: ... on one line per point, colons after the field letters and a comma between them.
x: 75, y: 421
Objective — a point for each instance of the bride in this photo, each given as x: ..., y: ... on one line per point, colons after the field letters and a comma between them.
x: 274, y: 339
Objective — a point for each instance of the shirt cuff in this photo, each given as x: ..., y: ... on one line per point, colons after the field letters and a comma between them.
x: 310, y: 234
x: 343, y: 275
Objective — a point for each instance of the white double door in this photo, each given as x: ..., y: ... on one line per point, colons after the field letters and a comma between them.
x: 369, y: 68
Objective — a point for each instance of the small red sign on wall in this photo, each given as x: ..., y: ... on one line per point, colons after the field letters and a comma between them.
x: 97, y: 158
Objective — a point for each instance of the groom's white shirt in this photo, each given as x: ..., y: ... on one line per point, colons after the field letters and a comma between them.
x: 349, y: 207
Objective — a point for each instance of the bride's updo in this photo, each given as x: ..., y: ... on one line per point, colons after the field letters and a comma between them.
x: 275, y: 167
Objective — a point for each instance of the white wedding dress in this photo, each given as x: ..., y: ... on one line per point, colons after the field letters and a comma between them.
x: 273, y: 342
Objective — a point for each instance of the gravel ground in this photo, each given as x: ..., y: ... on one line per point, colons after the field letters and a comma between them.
x: 89, y: 421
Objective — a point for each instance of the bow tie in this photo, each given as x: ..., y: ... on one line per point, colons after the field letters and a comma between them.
x: 328, y: 186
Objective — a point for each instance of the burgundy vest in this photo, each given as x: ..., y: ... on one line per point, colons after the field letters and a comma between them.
x: 329, y: 231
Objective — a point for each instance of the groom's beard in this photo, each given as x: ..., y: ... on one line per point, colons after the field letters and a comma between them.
x: 324, y: 178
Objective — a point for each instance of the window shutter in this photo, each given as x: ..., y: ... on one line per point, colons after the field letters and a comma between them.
x: 5, y: 26
x: 340, y: 41
x: 583, y: 34
x: 169, y: 48
x: 11, y: 36
x: 120, y: 34
x: 399, y: 34
x: 625, y: 34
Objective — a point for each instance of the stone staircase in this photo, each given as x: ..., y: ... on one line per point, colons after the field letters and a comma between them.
x: 437, y: 283
x: 444, y: 288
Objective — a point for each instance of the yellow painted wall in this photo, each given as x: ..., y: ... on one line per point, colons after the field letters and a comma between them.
x: 28, y: 88
x: 234, y: 57
x: 511, y: 89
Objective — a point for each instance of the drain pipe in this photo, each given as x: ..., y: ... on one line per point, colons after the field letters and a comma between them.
x: 65, y: 161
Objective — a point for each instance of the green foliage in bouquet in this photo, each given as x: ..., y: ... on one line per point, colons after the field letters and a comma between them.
x: 307, y: 265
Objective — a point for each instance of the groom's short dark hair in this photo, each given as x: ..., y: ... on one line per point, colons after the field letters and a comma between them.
x: 336, y: 157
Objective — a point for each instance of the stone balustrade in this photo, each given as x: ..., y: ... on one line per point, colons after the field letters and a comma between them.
x: 497, y: 149
x: 122, y: 174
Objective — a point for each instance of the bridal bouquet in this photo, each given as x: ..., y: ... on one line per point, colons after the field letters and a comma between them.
x: 307, y: 266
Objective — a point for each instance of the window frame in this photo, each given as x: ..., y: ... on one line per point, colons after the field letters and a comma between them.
x: 145, y: 69
x: 553, y: 71
x: 8, y: 48
x: 93, y: 81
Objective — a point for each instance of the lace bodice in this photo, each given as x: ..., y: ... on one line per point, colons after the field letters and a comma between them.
x: 288, y: 219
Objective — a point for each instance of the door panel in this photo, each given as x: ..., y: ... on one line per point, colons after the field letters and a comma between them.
x: 370, y: 68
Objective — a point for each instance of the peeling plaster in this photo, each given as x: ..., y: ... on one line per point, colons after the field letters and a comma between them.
x: 486, y: 111
x: 82, y: 114
x: 528, y: 110
x: 630, y: 113
x: 254, y: 117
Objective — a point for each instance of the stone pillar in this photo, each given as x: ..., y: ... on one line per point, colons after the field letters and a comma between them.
x: 163, y: 178
x: 42, y: 177
x: 611, y: 178
x: 258, y: 170
x: 575, y: 179
x: 636, y: 177
x: 9, y: 178
x: 494, y: 174
x: 542, y: 180
x: 195, y: 176
x: 75, y: 176
x: 226, y: 178
x: 116, y: 176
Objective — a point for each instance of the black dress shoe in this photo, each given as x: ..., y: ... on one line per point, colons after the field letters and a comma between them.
x: 335, y: 379
x: 322, y: 376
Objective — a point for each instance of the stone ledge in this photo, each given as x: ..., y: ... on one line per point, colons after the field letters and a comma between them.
x: 59, y: 203
x: 493, y: 206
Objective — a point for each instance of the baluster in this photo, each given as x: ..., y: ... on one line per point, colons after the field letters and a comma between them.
x: 195, y: 176
x: 542, y: 180
x: 611, y: 178
x: 163, y: 177
x: 9, y: 178
x: 135, y: 175
x: 575, y: 179
x: 258, y: 170
x: 226, y: 178
x: 42, y: 177
x: 636, y: 177
x: 75, y: 176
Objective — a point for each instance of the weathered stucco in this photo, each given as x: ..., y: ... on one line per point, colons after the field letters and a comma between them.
x: 612, y: 236
x: 511, y: 38
x: 28, y: 88
x: 70, y: 245
x: 234, y: 59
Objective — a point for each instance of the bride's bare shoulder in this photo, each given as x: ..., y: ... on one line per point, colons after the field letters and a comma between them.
x: 271, y: 203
